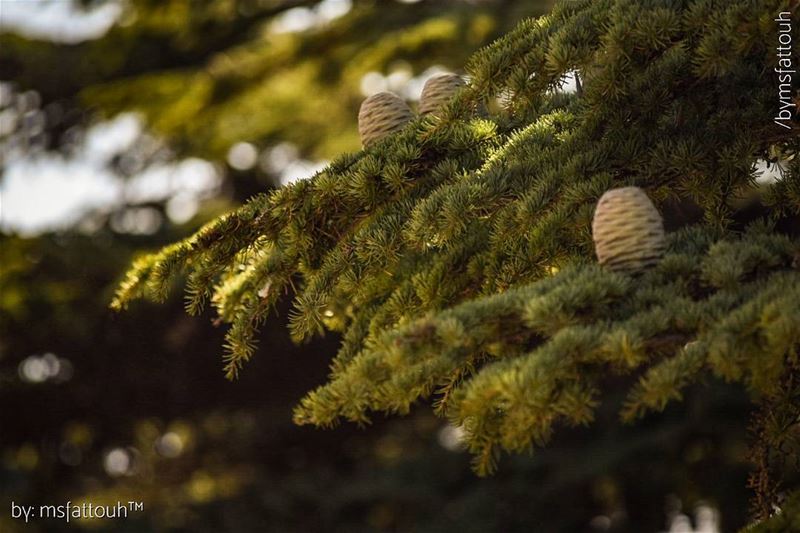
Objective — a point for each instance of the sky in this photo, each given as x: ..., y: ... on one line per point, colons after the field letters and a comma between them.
x: 48, y: 191
x: 57, y: 20
x: 45, y: 191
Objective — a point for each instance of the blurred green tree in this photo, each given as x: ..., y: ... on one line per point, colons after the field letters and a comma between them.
x: 210, y: 456
x: 210, y: 74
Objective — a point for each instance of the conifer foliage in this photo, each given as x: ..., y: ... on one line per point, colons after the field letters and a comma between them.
x: 456, y: 257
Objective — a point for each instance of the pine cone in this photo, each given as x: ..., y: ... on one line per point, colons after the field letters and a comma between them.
x: 628, y: 231
x: 438, y: 91
x: 380, y: 115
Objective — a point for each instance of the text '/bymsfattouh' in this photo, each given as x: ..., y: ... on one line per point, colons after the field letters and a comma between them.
x: 785, y: 70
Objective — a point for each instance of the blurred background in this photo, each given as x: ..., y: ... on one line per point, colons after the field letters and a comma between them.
x: 127, y: 124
